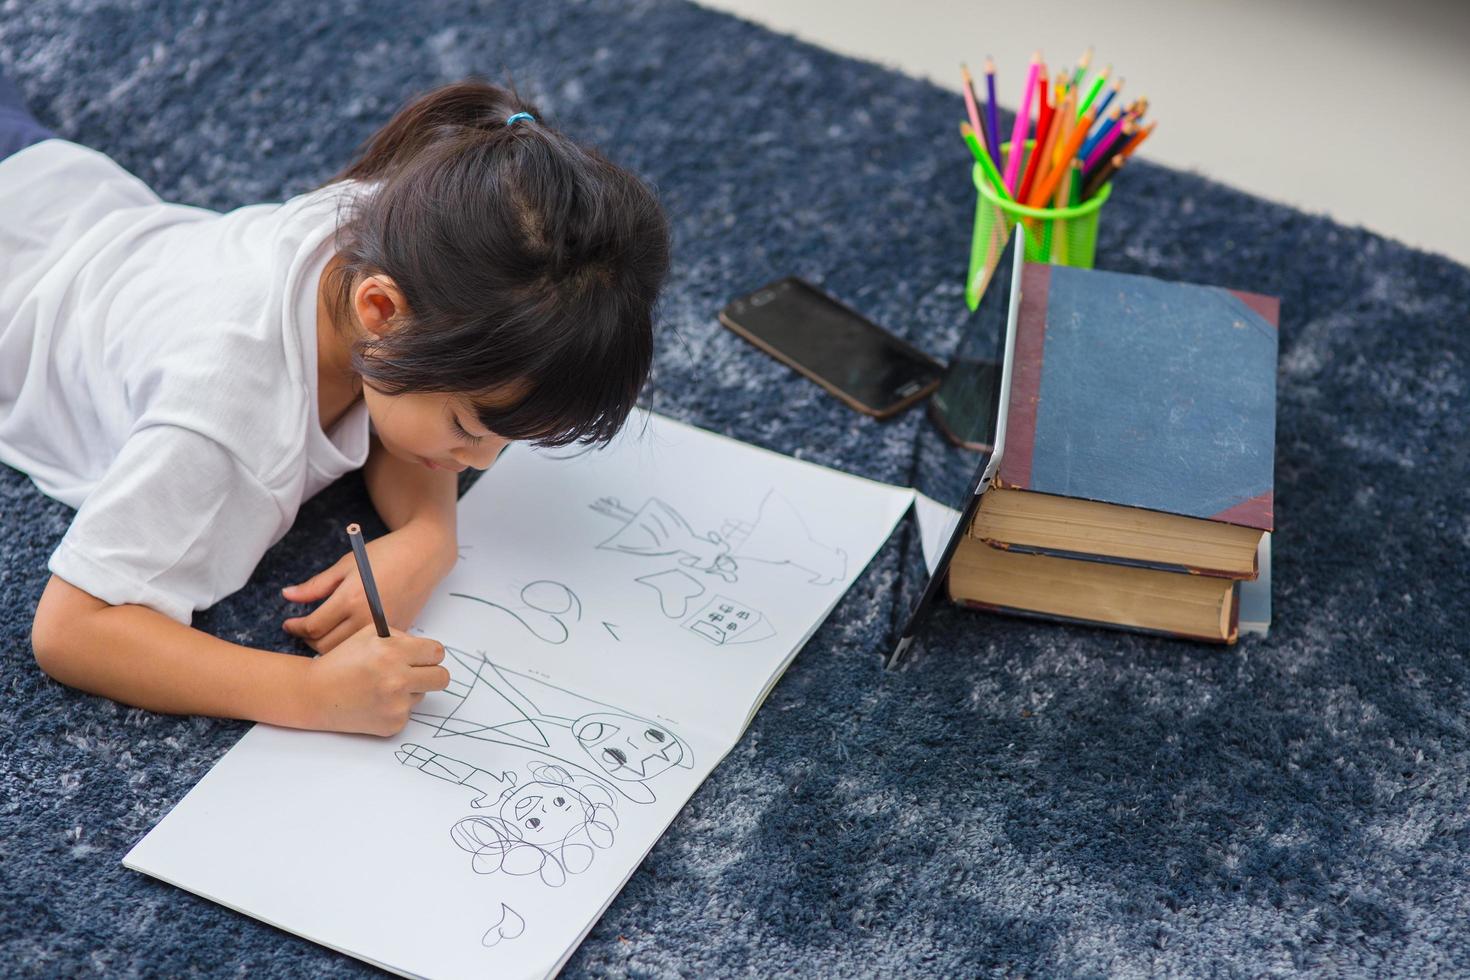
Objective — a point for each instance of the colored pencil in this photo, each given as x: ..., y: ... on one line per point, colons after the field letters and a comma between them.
x: 1137, y: 140
x: 1082, y: 64
x: 1059, y: 228
x: 1097, y: 144
x: 369, y: 586
x: 1044, y: 120
x: 1102, y: 175
x: 1061, y: 125
x: 987, y: 166
x: 1102, y: 107
x: 1092, y: 90
x: 1069, y: 121
x: 1044, y: 190
x: 1023, y: 122
x: 970, y: 108
x: 1060, y: 114
x: 992, y: 114
x: 1083, y: 135
x: 1115, y: 142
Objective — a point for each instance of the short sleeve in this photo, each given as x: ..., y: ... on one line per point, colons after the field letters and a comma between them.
x: 176, y: 524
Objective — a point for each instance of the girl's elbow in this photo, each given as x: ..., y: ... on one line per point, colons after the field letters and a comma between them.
x: 58, y: 627
x: 48, y: 643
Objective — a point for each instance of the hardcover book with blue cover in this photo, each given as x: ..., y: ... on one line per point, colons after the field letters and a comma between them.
x: 1142, y: 423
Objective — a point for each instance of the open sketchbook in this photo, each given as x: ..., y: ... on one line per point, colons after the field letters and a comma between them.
x: 614, y: 622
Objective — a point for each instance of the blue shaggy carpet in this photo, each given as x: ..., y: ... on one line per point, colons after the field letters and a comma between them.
x: 1021, y: 798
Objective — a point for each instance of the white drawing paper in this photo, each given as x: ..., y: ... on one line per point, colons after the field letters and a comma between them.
x: 614, y: 621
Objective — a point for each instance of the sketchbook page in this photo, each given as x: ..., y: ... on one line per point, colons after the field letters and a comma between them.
x: 673, y: 572
x: 936, y: 524
x: 449, y: 857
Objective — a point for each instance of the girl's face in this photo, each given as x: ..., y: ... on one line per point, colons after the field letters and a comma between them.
x: 435, y: 430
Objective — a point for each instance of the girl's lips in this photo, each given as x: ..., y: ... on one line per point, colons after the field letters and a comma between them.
x: 440, y: 466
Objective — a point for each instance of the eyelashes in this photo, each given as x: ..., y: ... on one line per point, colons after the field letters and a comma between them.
x: 459, y: 430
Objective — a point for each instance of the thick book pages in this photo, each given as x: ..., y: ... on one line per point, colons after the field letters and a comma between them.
x: 1071, y: 528
x: 1136, y: 394
x: 1194, y: 606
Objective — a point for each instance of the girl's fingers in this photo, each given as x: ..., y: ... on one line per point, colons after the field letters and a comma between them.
x: 340, y: 633
x: 422, y: 679
x: 318, y: 624
x: 320, y: 585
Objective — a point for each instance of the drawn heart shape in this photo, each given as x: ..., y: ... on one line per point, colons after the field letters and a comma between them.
x: 509, y: 926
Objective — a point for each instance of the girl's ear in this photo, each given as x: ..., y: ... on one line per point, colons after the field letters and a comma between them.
x: 376, y: 301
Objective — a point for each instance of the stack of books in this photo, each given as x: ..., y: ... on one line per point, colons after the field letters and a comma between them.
x: 1136, y: 484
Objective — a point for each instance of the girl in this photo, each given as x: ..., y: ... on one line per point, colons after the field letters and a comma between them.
x: 186, y: 379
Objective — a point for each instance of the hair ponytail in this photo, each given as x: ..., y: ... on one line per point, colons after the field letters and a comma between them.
x: 451, y: 112
x: 523, y: 257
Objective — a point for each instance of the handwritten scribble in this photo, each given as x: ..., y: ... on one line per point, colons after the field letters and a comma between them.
x: 509, y: 926
x: 656, y: 529
x: 675, y: 588
x: 550, y: 827
x: 724, y: 621
x: 489, y: 785
x: 544, y: 603
x: 776, y: 535
x: 489, y: 703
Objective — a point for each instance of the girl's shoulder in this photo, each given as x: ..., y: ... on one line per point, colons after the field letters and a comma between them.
x: 243, y: 389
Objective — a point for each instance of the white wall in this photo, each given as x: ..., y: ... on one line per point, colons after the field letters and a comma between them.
x: 1357, y: 109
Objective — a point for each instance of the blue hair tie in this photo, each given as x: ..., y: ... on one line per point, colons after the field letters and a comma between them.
x: 518, y: 117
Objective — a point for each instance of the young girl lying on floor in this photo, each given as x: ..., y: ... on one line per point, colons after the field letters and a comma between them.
x: 186, y: 379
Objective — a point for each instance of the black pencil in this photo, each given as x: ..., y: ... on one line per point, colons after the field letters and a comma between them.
x: 1102, y: 175
x: 354, y: 534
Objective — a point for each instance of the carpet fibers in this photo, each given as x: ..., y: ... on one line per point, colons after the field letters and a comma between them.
x: 1021, y: 798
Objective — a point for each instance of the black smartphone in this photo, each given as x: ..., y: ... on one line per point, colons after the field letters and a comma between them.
x: 852, y: 357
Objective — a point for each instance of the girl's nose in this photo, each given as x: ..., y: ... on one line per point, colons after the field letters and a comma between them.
x: 481, y: 456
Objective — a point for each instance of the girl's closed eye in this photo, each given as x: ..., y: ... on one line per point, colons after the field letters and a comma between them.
x: 460, y: 431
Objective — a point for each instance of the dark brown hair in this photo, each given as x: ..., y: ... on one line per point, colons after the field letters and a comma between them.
x: 522, y: 256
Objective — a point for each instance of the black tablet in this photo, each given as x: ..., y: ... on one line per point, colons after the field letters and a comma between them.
x: 972, y: 399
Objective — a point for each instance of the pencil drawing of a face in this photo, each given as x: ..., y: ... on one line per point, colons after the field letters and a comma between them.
x: 545, y: 811
x: 627, y: 748
x: 549, y: 827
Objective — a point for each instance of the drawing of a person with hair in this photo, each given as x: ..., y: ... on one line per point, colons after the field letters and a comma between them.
x: 552, y: 826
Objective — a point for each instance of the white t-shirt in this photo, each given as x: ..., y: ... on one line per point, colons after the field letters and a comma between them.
x: 158, y: 372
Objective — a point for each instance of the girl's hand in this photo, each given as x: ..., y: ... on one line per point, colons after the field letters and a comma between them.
x: 407, y: 564
x: 370, y: 683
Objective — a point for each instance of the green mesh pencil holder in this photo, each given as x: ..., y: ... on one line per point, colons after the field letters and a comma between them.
x: 1060, y: 236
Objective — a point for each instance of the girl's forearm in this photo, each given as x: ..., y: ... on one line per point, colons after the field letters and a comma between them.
x: 140, y: 657
x: 406, y: 493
